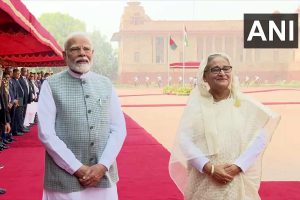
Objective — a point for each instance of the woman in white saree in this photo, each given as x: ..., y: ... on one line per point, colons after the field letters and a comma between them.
x: 221, y: 138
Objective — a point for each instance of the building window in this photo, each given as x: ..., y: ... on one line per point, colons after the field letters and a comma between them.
x: 275, y: 56
x: 136, y: 57
x: 209, y: 45
x: 239, y: 52
x: 159, y: 50
x: 294, y: 55
x: 229, y: 48
x: 257, y: 53
x: 249, y: 56
x: 218, y: 44
x: 137, y: 19
x: 200, y: 48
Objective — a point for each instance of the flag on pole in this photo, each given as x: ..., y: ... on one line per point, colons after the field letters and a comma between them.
x: 185, y: 37
x: 173, y: 45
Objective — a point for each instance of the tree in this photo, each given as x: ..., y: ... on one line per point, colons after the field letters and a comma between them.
x: 105, y: 57
x: 61, y: 25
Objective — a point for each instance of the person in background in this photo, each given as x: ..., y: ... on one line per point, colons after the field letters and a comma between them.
x: 147, y: 80
x: 42, y: 73
x: 159, y: 81
x: 7, y: 136
x: 46, y: 75
x: 23, y: 80
x: 17, y: 99
x: 4, y: 121
x: 4, y: 114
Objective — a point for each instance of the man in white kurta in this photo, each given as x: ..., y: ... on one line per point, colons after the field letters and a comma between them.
x: 78, y: 55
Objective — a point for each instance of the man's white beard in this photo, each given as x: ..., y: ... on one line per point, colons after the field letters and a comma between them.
x: 80, y: 68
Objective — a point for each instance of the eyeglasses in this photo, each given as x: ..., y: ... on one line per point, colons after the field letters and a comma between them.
x: 217, y: 69
x: 77, y: 50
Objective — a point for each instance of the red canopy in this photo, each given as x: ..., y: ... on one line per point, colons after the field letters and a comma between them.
x: 23, y: 40
x: 186, y: 65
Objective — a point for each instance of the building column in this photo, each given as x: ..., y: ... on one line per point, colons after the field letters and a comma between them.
x: 223, y: 43
x: 213, y: 40
x: 204, y: 54
x: 234, y: 46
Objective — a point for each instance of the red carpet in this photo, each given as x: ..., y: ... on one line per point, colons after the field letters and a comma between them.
x: 142, y: 166
x: 22, y: 175
x: 280, y: 190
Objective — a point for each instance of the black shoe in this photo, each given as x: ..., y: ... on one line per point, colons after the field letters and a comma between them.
x: 4, y: 146
x: 10, y: 137
x: 6, y: 141
x: 18, y: 134
x: 2, y: 191
x: 10, y: 140
x: 25, y: 130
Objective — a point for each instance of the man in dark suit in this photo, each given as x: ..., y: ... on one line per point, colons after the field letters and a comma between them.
x: 27, y: 93
x: 26, y: 88
x: 38, y: 81
x: 4, y: 116
x: 18, y: 99
x: 31, y: 83
x: 4, y: 113
x: 7, y: 137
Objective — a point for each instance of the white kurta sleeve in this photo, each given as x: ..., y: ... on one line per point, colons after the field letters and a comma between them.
x: 55, y: 147
x: 192, y: 153
x: 199, y: 161
x: 244, y: 161
x: 248, y: 157
x: 117, y: 132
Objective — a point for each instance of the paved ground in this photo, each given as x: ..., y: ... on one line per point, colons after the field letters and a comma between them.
x: 281, y: 159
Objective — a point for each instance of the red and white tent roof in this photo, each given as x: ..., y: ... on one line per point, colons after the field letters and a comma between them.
x: 23, y: 40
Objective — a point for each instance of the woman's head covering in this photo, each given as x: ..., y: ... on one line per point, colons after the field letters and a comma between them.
x: 234, y: 82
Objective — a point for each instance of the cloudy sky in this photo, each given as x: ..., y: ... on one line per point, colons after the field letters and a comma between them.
x: 105, y: 15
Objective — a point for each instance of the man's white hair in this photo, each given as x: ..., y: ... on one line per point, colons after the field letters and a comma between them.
x: 75, y: 34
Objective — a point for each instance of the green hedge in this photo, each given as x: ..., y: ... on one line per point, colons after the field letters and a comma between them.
x: 176, y: 90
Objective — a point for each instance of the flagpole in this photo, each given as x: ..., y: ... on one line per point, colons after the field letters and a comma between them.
x: 183, y: 64
x: 168, y: 61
